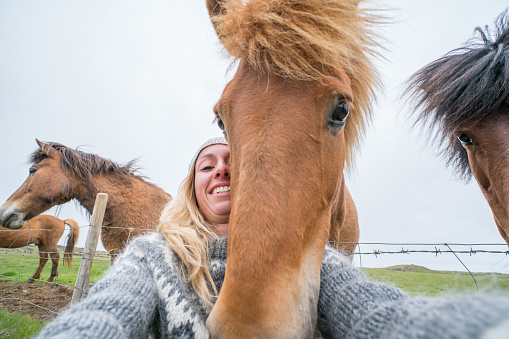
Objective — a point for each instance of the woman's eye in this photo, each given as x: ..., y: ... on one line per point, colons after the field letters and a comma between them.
x: 465, y: 140
x: 206, y: 168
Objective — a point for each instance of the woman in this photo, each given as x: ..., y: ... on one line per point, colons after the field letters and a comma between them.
x: 199, y: 214
x: 166, y: 282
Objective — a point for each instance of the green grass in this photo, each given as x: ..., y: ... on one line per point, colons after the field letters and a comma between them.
x: 20, y: 264
x: 15, y: 326
x: 417, y: 280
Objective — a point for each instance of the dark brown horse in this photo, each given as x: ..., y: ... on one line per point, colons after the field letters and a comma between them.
x: 463, y: 98
x: 292, y: 114
x: 44, y: 231
x: 59, y: 174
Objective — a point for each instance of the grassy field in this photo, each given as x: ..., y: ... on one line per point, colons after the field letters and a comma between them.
x: 20, y: 264
x: 418, y: 280
x: 15, y: 326
x: 415, y: 280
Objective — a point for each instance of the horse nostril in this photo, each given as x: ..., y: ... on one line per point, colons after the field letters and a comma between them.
x: 12, y: 221
x: 6, y: 222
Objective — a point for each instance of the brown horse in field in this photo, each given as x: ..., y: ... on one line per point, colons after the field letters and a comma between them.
x: 293, y: 114
x: 463, y: 97
x: 44, y: 231
x: 59, y: 174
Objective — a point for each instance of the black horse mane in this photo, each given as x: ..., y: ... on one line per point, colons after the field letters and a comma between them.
x: 462, y: 88
x: 82, y: 164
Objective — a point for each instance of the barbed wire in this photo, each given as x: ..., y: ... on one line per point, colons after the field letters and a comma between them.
x: 471, y: 251
x: 32, y: 252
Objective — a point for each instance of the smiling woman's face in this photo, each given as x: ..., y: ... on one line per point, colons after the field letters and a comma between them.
x: 212, y: 183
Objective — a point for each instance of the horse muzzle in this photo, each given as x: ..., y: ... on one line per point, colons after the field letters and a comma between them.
x: 9, y: 218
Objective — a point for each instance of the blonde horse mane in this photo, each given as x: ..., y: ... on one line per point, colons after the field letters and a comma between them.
x: 306, y: 40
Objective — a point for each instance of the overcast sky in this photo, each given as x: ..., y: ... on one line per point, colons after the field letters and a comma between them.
x: 138, y: 79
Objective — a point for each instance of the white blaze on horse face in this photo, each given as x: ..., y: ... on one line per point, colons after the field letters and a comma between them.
x: 310, y: 291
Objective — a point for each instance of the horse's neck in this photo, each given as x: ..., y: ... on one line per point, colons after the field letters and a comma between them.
x: 131, y: 200
x: 344, y: 221
x: 103, y: 184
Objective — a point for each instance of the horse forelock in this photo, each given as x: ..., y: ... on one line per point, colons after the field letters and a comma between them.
x: 307, y: 40
x: 82, y: 164
x: 462, y: 88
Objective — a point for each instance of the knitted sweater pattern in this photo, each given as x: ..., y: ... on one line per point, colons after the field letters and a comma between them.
x: 144, y: 292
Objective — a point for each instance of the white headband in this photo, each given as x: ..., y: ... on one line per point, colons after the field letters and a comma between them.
x: 213, y: 141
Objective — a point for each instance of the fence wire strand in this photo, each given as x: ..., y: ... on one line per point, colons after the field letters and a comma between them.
x: 31, y: 252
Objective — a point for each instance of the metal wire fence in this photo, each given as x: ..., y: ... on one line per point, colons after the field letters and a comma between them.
x: 38, y: 297
x: 46, y: 299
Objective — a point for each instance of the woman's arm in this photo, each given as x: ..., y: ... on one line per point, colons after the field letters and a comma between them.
x: 121, y: 305
x: 350, y: 306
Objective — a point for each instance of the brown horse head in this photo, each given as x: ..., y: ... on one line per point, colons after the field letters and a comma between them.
x: 292, y: 115
x: 45, y: 187
x: 55, y: 177
x: 464, y: 99
x: 487, y: 146
x: 59, y: 174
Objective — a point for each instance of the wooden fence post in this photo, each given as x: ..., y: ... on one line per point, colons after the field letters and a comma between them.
x: 81, y: 286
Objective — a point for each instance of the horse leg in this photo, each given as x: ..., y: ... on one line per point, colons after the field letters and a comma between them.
x: 113, y: 254
x: 55, y: 257
x: 43, y: 258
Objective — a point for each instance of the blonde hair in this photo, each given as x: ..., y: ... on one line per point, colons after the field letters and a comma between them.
x: 187, y: 234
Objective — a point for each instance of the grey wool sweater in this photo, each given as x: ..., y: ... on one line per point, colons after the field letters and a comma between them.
x: 144, y: 292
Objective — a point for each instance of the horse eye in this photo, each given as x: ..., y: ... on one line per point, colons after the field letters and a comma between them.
x: 465, y: 140
x: 32, y: 171
x: 337, y: 118
x: 220, y: 123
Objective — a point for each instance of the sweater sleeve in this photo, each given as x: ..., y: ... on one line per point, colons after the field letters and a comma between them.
x: 121, y: 305
x: 350, y: 306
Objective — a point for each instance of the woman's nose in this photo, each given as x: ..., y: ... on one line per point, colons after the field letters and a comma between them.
x: 223, y: 170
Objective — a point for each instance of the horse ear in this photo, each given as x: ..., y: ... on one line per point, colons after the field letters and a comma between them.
x: 45, y: 148
x: 214, y: 7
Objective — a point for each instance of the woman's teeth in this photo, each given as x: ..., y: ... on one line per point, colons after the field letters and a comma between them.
x: 221, y: 189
